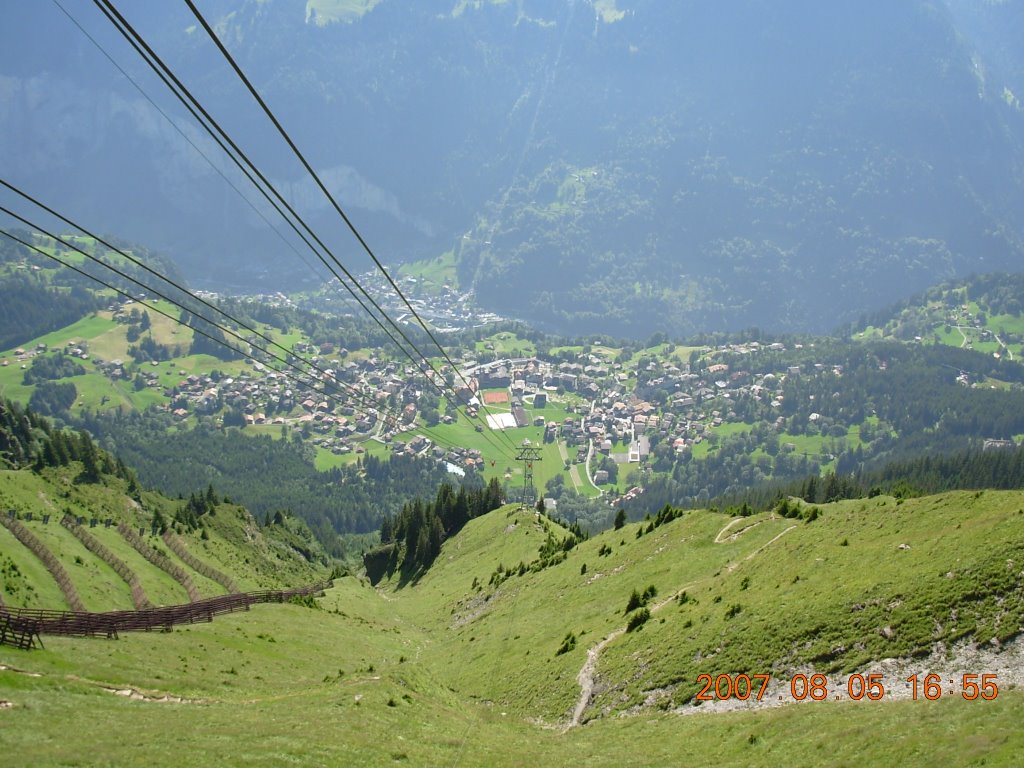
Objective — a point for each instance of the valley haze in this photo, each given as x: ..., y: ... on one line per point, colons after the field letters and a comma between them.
x: 605, y: 166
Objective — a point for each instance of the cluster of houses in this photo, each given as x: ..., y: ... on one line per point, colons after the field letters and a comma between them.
x: 446, y: 308
x: 23, y: 357
x: 335, y: 404
x: 339, y: 401
x: 618, y: 424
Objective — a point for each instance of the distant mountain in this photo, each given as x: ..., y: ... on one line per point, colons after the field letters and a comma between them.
x: 984, y: 313
x: 618, y: 166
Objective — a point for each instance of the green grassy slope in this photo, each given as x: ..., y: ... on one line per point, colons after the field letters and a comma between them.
x: 767, y: 595
x: 867, y: 580
x: 452, y: 670
x: 230, y: 539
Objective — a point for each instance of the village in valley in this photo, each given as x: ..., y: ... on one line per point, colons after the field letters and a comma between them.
x: 606, y: 419
x: 601, y: 411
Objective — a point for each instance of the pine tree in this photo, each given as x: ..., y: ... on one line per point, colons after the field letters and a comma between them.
x: 460, y: 512
x: 810, y: 493
x: 90, y: 460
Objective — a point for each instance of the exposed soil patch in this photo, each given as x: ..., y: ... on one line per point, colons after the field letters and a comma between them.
x: 137, y: 695
x: 585, y: 678
x: 1005, y: 662
x: 5, y: 668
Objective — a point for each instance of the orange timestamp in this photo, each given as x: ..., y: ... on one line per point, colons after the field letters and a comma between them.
x: 856, y: 687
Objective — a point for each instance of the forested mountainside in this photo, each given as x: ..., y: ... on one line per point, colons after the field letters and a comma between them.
x: 618, y: 167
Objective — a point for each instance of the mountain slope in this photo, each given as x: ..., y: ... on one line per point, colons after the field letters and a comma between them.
x: 119, y: 547
x: 620, y: 167
x: 836, y: 591
x: 444, y: 672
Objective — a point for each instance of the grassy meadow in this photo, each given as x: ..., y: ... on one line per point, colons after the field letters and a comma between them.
x: 461, y: 668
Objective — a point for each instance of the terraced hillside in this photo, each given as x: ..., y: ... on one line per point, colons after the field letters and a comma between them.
x: 60, y: 514
x: 514, y: 649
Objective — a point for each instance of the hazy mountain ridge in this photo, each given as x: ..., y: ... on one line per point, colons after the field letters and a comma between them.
x: 787, y: 167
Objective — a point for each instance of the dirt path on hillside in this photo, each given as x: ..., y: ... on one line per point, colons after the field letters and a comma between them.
x: 740, y: 532
x: 588, y: 672
x: 585, y: 678
x: 733, y: 566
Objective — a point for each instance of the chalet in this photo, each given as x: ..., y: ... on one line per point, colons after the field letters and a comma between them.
x: 522, y: 420
x: 495, y: 378
x: 566, y: 381
x: 639, y: 449
x: 995, y: 445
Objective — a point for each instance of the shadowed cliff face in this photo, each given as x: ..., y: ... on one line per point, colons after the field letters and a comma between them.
x: 686, y: 166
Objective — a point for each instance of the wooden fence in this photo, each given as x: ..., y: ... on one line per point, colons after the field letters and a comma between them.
x: 160, y: 561
x: 18, y: 633
x: 120, y: 567
x: 23, y: 627
x: 40, y: 550
x: 178, y: 547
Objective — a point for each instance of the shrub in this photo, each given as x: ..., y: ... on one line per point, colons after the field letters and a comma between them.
x: 638, y: 619
x: 568, y: 643
x: 635, y: 601
x: 638, y: 600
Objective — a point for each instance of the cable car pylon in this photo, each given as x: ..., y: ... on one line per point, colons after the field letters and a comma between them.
x: 528, y: 454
